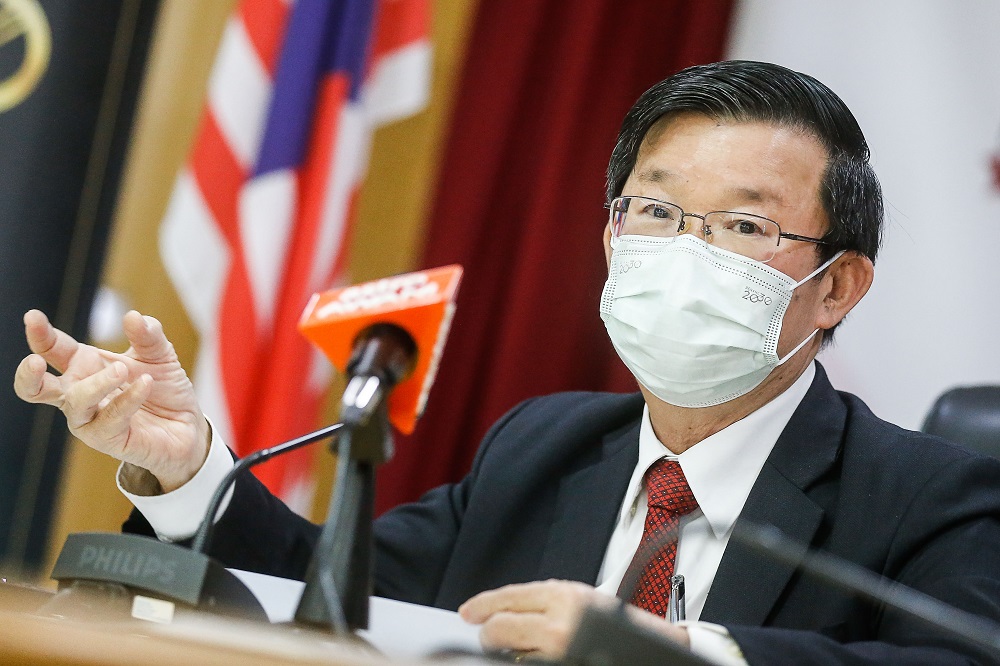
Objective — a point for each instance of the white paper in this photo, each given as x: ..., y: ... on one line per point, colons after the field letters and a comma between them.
x: 407, y: 631
x: 396, y: 628
x: 279, y: 596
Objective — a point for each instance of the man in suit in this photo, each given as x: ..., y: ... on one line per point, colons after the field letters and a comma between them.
x: 744, y: 222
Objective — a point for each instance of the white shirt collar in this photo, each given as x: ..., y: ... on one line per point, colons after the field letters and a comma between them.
x: 722, y: 468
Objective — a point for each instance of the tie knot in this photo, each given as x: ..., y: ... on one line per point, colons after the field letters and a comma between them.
x: 668, y: 489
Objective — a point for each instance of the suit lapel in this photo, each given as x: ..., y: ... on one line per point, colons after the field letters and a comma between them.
x: 749, y: 583
x: 586, y: 509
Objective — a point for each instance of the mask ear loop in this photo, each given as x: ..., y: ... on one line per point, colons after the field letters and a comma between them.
x: 819, y: 270
x: 797, y: 348
x: 798, y: 284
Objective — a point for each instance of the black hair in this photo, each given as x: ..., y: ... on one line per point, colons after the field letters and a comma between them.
x: 748, y: 91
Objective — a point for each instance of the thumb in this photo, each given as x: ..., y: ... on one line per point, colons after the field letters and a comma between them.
x: 147, y: 338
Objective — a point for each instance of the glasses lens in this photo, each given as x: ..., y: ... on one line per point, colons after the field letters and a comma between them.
x: 644, y: 217
x: 752, y: 236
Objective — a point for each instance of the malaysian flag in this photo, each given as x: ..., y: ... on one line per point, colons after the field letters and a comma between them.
x: 260, y: 218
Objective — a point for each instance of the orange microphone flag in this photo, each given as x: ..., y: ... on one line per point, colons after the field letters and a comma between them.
x: 421, y: 303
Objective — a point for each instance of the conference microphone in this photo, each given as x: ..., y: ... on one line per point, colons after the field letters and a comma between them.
x: 386, y: 335
x: 383, y: 335
x: 607, y: 636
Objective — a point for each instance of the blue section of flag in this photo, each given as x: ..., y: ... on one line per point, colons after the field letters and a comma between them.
x: 322, y: 37
x: 349, y: 52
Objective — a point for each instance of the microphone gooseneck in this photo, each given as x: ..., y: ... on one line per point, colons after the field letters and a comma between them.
x: 204, y: 534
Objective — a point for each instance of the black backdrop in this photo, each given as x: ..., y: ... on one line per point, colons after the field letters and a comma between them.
x: 61, y: 154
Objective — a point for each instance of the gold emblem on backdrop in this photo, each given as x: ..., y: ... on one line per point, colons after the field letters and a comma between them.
x: 24, y: 21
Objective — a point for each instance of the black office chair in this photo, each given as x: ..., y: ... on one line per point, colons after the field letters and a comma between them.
x: 969, y: 416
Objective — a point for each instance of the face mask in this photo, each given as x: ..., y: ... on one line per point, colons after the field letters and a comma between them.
x: 696, y: 326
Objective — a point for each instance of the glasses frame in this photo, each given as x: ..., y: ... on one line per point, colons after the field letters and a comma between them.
x: 706, y: 230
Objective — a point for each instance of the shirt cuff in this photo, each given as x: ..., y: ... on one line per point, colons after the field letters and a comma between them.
x: 713, y: 642
x: 176, y: 515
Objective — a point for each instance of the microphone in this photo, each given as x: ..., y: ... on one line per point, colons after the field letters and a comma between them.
x: 387, y: 336
x: 971, y: 629
x: 384, y: 334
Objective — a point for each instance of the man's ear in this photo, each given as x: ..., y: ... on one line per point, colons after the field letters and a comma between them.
x: 846, y: 281
x: 607, y: 244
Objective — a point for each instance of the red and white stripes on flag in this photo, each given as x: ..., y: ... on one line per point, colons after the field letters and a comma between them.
x: 260, y: 217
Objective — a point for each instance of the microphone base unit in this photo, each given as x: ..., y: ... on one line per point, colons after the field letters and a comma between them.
x: 118, y: 571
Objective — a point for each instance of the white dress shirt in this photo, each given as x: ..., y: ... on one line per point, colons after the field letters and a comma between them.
x: 720, y: 470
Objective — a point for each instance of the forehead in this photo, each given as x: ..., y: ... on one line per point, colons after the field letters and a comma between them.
x: 730, y: 161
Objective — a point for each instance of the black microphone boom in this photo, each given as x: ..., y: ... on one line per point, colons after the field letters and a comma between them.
x: 969, y: 628
x: 203, y: 536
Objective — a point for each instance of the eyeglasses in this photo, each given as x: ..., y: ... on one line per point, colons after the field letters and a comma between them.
x: 752, y: 236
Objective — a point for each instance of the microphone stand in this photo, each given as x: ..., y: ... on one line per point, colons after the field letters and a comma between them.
x: 339, y: 579
x: 607, y: 636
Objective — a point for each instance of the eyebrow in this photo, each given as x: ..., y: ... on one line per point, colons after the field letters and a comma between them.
x: 752, y: 195
x: 742, y: 194
x: 654, y: 176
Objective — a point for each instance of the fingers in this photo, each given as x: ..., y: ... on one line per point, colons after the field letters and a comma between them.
x: 32, y: 383
x: 479, y: 608
x: 521, y: 598
x: 536, y: 617
x: 56, y: 347
x: 526, y: 632
x: 113, y: 418
x: 83, y: 398
x: 146, y: 336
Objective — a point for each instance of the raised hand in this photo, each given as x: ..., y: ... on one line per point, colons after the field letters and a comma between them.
x: 138, y: 407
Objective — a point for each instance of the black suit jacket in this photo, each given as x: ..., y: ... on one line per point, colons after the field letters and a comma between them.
x: 546, y: 485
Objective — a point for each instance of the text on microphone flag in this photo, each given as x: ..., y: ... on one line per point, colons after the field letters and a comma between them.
x: 388, y: 293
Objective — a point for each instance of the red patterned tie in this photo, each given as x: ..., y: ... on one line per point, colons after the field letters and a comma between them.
x: 670, y: 498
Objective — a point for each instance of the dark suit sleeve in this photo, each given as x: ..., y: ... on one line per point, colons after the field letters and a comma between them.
x: 947, y: 545
x: 414, y: 542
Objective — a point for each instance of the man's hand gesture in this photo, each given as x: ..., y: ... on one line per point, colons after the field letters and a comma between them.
x: 138, y: 407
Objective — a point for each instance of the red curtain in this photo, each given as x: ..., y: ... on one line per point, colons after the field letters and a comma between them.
x: 519, y: 204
